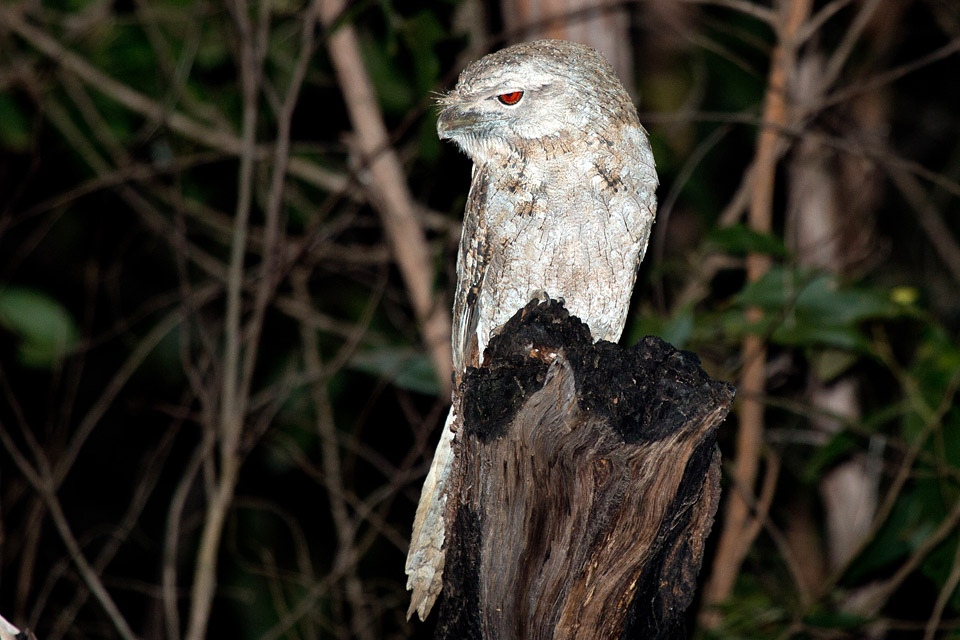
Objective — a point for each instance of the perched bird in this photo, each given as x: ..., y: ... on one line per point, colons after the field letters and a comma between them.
x: 561, y: 204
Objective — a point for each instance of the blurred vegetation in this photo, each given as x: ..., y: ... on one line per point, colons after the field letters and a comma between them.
x: 121, y: 128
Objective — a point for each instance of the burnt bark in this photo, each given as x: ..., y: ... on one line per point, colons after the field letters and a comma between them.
x: 585, y: 483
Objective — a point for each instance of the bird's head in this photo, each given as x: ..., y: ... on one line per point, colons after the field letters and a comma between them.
x: 548, y: 89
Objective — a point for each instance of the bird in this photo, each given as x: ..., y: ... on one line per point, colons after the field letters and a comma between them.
x: 561, y: 204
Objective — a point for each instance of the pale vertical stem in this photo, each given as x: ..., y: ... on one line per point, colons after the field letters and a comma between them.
x: 205, y: 574
x: 232, y: 405
x: 736, y: 538
x: 169, y: 564
x: 233, y: 399
x: 388, y: 188
x: 272, y: 220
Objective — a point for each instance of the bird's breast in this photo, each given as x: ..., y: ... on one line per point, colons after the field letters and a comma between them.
x: 567, y: 234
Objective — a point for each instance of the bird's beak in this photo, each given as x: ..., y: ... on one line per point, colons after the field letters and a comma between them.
x: 453, y: 119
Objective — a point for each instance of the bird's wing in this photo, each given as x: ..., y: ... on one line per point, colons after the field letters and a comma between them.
x: 426, y: 557
x: 471, y: 268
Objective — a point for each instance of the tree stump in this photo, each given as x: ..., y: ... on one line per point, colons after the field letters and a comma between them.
x: 584, y: 487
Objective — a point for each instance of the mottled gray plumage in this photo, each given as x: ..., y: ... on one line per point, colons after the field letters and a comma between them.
x: 561, y: 203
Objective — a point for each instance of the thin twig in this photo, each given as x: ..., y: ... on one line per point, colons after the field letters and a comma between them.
x: 949, y: 586
x: 172, y: 536
x: 932, y: 418
x: 891, y: 75
x: 938, y: 233
x: 137, y: 102
x: 233, y: 401
x: 153, y: 467
x: 743, y: 6
x: 346, y: 555
x: 945, y: 528
x: 272, y: 224
x: 43, y: 483
x: 850, y: 38
x: 818, y: 19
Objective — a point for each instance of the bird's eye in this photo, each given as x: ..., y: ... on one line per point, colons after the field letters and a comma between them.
x: 510, y: 98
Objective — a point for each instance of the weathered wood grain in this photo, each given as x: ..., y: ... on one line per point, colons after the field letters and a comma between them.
x: 585, y: 483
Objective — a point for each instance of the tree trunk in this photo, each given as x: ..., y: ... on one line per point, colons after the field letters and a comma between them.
x: 585, y: 483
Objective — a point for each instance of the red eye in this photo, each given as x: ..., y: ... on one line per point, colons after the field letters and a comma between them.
x: 511, y: 98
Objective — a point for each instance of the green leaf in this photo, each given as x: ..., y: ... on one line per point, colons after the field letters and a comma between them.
x: 403, y: 366
x: 809, y: 309
x: 817, y: 293
x: 826, y: 456
x: 935, y: 364
x: 803, y: 332
x: 741, y: 240
x: 15, y: 132
x: 834, y: 620
x: 46, y: 329
x: 676, y: 329
x: 916, y: 514
x: 829, y: 364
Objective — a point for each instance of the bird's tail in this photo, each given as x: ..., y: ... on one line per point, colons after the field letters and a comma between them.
x: 426, y: 556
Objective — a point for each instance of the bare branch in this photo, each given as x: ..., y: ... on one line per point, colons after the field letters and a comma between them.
x: 233, y: 397
x: 938, y: 233
x: 43, y: 483
x: 213, y: 138
x: 743, y: 6
x: 850, y: 38
x: 389, y: 191
x: 739, y: 527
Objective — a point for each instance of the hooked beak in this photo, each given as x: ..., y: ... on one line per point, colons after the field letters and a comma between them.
x: 453, y: 119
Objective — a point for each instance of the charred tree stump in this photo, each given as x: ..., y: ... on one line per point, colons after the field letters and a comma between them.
x: 585, y: 483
